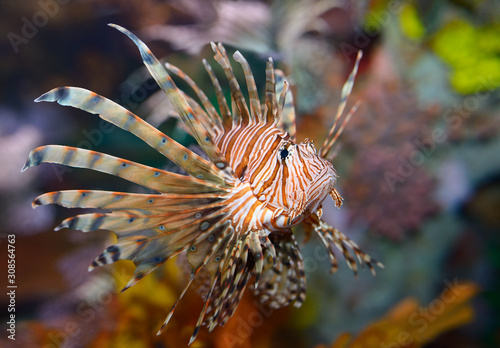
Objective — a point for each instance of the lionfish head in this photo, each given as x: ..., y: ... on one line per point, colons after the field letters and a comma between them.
x: 303, y: 179
x: 297, y: 178
x: 319, y: 173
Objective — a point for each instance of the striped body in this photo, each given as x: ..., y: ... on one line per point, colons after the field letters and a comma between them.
x: 289, y: 180
x: 233, y: 213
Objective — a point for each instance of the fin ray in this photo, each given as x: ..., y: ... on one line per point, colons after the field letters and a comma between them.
x: 147, y: 204
x: 119, y: 116
x: 210, y: 109
x: 153, y: 178
x: 186, y: 113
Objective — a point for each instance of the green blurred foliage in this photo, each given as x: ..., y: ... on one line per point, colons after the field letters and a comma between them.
x: 473, y: 53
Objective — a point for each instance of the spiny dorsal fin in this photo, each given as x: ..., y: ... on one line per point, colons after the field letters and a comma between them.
x: 255, y: 115
x: 227, y: 119
x: 210, y: 109
x: 271, y: 104
x: 242, y: 115
x: 180, y: 104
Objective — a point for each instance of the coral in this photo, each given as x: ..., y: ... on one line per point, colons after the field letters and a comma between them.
x: 389, y: 142
x: 408, y: 325
x: 370, y: 197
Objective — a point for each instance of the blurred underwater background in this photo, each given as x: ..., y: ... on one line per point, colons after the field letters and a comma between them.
x: 419, y: 167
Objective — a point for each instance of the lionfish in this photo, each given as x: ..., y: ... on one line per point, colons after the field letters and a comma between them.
x: 233, y: 213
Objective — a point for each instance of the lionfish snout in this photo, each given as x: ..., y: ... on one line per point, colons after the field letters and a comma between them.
x: 323, y: 178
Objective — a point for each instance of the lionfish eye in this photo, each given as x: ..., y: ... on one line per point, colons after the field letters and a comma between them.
x: 285, y: 150
x: 284, y: 154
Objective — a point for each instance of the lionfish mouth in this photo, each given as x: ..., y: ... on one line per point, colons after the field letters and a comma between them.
x: 212, y: 214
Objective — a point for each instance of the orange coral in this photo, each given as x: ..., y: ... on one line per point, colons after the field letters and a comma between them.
x: 140, y: 310
x: 408, y: 325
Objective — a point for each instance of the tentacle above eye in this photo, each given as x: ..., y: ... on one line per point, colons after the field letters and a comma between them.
x: 287, y: 118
